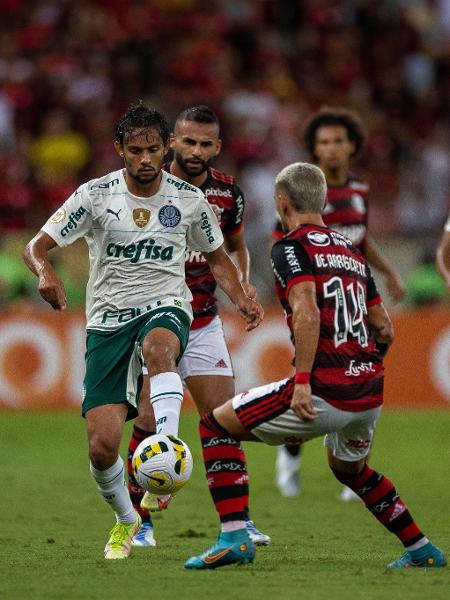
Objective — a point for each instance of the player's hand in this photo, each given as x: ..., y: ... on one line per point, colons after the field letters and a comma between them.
x: 301, y: 402
x: 249, y: 289
x: 250, y: 311
x: 395, y: 287
x: 52, y: 290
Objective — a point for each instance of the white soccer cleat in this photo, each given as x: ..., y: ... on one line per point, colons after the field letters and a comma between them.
x: 258, y: 537
x: 145, y: 536
x: 287, y: 476
x: 348, y: 495
x: 154, y: 503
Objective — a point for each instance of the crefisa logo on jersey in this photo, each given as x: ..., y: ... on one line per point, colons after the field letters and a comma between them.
x: 318, y: 239
x: 141, y: 216
x: 169, y: 216
x: 73, y: 220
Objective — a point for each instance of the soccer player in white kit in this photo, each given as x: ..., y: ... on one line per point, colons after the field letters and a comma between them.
x: 137, y: 222
x: 205, y: 368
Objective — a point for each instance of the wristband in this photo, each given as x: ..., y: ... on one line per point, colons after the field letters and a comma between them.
x: 301, y: 378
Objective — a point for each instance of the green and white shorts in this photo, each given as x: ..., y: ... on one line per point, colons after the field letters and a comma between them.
x: 114, y: 358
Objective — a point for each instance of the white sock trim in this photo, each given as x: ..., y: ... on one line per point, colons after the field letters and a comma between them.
x: 420, y: 544
x: 108, y: 475
x: 232, y: 526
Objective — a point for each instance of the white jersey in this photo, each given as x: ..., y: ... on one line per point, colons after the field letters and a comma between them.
x: 136, y: 245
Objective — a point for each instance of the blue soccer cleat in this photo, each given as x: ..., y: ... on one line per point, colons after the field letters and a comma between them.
x: 429, y: 556
x: 258, y: 537
x: 234, y: 547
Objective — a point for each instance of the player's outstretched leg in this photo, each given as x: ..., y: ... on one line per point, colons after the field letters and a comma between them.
x: 111, y: 485
x: 145, y: 536
x: 381, y: 498
x: 287, y: 470
x: 225, y: 474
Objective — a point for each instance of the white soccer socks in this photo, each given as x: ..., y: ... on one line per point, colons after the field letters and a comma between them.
x: 166, y: 396
x: 111, y: 485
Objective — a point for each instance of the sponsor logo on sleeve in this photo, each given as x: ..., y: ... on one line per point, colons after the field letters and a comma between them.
x: 206, y: 226
x: 73, y: 221
x: 58, y: 216
x: 289, y: 253
x: 169, y: 216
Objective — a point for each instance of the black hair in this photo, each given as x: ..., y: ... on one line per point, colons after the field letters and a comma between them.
x: 139, y: 116
x: 199, y: 114
x: 342, y: 117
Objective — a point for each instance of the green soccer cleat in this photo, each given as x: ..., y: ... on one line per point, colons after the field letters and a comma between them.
x: 429, y: 556
x: 121, y: 535
x: 234, y: 547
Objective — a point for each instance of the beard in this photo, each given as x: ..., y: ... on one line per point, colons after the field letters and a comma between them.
x: 145, y: 179
x: 200, y: 167
x: 142, y: 178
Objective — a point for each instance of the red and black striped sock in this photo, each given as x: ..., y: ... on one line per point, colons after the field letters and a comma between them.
x: 245, y: 486
x: 136, y: 492
x: 381, y: 498
x: 226, y: 470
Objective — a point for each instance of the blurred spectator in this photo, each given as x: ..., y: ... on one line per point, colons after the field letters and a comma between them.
x: 58, y: 152
x: 69, y: 69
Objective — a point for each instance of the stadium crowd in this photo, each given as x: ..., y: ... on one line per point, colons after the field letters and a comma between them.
x: 69, y: 69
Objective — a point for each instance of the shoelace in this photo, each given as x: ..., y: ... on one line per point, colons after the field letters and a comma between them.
x: 118, y: 533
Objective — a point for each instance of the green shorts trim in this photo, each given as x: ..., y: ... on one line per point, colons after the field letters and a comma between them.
x: 114, y: 358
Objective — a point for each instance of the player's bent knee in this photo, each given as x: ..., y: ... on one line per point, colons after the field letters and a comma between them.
x: 226, y: 416
x: 344, y: 471
x: 160, y: 358
x: 102, y: 453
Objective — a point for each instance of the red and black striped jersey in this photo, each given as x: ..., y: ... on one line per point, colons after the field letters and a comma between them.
x: 348, y: 370
x: 345, y: 211
x: 222, y: 192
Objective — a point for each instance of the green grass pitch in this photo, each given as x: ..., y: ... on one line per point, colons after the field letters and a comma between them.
x: 54, y: 525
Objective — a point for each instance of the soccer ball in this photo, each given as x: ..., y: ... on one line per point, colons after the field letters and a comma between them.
x: 162, y: 464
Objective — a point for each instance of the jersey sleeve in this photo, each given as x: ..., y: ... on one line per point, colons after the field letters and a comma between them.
x: 235, y: 222
x: 204, y: 233
x: 373, y: 295
x: 291, y: 263
x: 72, y: 220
